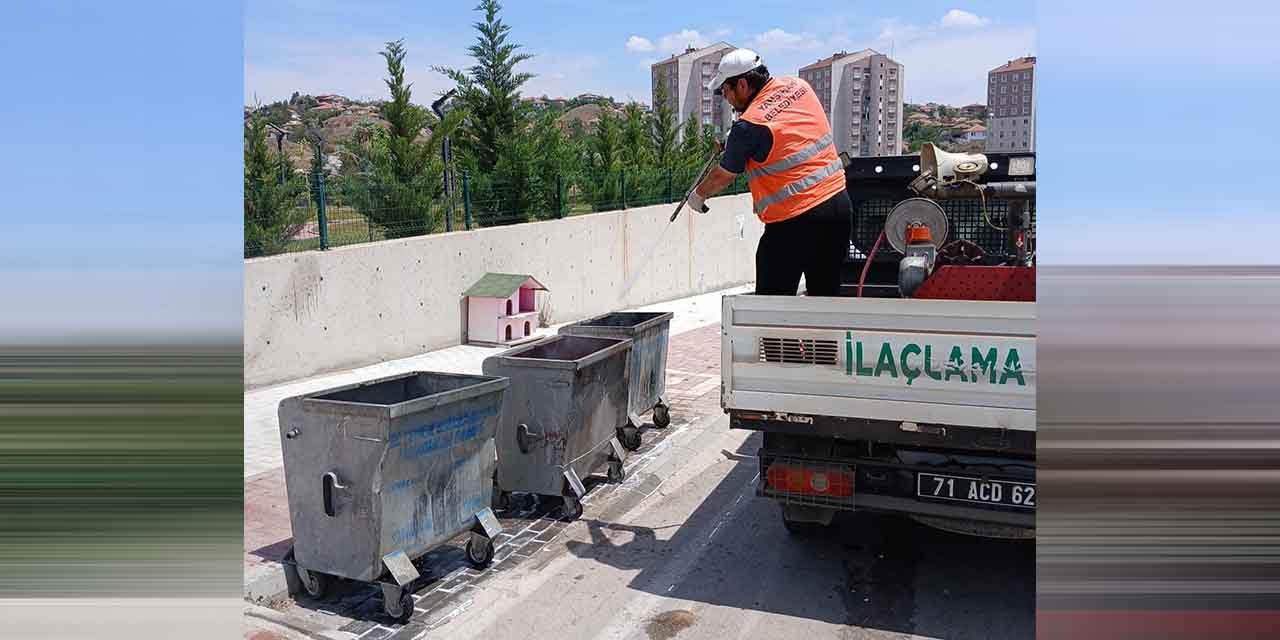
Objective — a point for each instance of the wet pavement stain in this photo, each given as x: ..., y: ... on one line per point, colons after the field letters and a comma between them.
x: 668, y: 624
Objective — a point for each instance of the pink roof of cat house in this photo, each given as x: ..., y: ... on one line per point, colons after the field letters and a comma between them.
x: 502, y: 308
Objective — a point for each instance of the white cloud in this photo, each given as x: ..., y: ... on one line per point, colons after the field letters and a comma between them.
x: 951, y: 65
x: 639, y: 44
x: 956, y: 18
x: 779, y: 40
x: 722, y: 32
x: 676, y: 42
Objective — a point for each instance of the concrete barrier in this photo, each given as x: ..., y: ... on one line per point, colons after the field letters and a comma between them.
x: 320, y: 311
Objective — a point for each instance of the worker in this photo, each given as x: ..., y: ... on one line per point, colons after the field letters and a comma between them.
x: 783, y: 142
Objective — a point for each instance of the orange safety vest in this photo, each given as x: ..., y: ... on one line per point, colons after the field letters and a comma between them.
x: 802, y: 169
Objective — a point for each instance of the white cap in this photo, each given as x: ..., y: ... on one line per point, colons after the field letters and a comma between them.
x: 734, y: 63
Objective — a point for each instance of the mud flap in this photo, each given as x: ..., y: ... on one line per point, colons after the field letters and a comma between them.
x: 575, y: 482
x: 400, y: 567
x: 488, y: 523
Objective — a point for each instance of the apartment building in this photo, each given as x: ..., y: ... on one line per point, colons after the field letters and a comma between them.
x: 862, y: 95
x: 684, y: 78
x: 1011, y: 104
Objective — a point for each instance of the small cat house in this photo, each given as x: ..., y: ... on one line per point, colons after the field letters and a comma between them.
x: 502, y: 308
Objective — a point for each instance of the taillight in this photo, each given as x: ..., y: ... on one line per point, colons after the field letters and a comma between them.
x: 793, y: 478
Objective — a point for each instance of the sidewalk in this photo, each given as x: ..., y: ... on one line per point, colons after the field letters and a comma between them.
x: 693, y: 386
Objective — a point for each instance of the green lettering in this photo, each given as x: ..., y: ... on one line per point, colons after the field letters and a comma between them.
x: 985, y: 365
x: 885, y: 361
x: 862, y: 371
x: 955, y: 365
x: 848, y: 353
x: 928, y: 363
x: 1012, y: 369
x: 909, y: 372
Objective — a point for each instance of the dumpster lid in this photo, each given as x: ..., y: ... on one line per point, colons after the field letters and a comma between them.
x: 564, y: 351
x: 406, y: 393
x: 636, y: 321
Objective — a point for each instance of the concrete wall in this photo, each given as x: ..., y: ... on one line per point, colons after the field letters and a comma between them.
x: 319, y: 311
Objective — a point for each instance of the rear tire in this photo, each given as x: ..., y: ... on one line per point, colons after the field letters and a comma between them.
x: 802, y: 528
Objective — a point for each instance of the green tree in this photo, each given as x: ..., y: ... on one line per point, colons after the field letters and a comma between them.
x: 636, y: 139
x: 271, y: 214
x: 665, y: 132
x: 693, y: 150
x: 554, y: 160
x: 399, y: 178
x: 489, y: 90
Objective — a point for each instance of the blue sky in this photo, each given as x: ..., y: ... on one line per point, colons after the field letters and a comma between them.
x: 121, y: 165
x: 324, y: 46
x: 122, y: 123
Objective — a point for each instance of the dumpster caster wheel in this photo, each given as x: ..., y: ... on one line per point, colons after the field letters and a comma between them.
x: 479, y: 551
x: 630, y: 438
x: 661, y: 416
x: 315, y: 584
x: 400, y: 609
x: 572, y: 508
x: 616, y: 473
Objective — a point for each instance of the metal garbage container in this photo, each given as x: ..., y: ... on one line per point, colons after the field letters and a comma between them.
x: 561, y: 415
x: 649, y: 333
x: 380, y: 473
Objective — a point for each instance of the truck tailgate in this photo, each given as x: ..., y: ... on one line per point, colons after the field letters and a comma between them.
x: 924, y: 361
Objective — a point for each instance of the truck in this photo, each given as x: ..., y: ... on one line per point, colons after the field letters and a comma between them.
x: 914, y: 392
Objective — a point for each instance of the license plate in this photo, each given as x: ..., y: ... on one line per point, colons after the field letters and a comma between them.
x: 976, y: 490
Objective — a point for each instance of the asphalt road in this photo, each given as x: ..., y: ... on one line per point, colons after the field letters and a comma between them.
x: 689, y: 552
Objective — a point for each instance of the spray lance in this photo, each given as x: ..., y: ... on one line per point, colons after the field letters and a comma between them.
x: 706, y: 168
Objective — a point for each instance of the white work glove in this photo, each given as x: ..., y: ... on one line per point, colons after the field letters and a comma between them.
x: 697, y: 203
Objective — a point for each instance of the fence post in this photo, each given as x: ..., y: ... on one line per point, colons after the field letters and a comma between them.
x: 448, y: 212
x: 466, y: 198
x: 622, y: 178
x: 321, y: 219
x: 560, y: 196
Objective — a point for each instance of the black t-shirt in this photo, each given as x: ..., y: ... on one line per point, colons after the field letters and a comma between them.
x: 746, y: 140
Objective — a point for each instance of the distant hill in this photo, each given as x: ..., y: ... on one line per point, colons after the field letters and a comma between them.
x: 951, y: 128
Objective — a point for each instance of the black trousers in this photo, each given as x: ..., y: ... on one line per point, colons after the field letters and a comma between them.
x: 814, y: 243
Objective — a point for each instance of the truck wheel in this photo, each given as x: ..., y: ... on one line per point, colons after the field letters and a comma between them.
x: 803, y: 528
x: 661, y: 416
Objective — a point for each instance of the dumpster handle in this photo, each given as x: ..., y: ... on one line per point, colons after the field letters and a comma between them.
x: 329, y: 484
x: 525, y: 437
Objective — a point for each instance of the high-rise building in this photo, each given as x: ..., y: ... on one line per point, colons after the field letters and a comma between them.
x: 684, y: 78
x: 862, y: 95
x: 1011, y: 106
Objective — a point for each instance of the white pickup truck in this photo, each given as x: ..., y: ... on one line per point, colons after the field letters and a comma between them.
x: 919, y: 407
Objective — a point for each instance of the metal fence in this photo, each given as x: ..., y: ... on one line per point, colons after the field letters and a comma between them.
x: 336, y: 211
